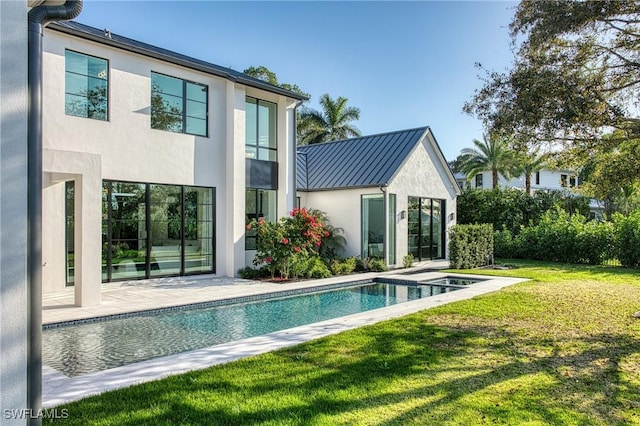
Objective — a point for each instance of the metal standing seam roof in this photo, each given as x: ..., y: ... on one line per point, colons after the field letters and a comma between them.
x: 94, y: 34
x: 354, y: 163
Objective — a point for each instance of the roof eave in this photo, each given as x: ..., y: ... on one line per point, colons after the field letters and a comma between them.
x: 177, y: 61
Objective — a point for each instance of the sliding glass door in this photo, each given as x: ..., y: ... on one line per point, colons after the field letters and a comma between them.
x: 425, y: 228
x: 154, y: 230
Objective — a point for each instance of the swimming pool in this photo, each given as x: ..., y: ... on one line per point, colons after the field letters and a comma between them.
x: 104, y: 344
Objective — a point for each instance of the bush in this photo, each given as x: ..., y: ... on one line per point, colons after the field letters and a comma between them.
x: 559, y: 237
x: 378, y: 265
x: 470, y: 246
x: 627, y: 239
x: 250, y: 273
x: 407, y: 261
x: 345, y: 266
x: 367, y: 264
x: 314, y: 267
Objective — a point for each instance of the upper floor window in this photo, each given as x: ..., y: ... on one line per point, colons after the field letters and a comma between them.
x: 563, y: 181
x: 178, y: 105
x: 261, y: 139
x: 479, y: 180
x: 86, y: 87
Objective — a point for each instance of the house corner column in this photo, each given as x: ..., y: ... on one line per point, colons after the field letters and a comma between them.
x: 88, y: 238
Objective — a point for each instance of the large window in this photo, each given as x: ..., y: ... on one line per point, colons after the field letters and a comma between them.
x: 86, y: 87
x: 373, y: 224
x: 259, y: 203
x: 425, y: 227
x: 178, y: 105
x: 156, y: 230
x: 261, y: 130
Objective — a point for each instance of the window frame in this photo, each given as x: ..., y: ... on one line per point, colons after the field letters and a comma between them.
x: 257, y: 146
x: 259, y: 203
x: 107, y: 94
x: 479, y: 178
x: 184, y: 105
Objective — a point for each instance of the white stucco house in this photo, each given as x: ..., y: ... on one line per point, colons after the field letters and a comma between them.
x: 545, y: 179
x: 392, y: 193
x: 154, y: 160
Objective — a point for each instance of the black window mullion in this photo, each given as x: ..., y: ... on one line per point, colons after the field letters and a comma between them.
x: 184, y: 106
x: 431, y: 230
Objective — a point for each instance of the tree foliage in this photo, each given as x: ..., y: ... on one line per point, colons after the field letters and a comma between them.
x: 492, y: 153
x: 334, y: 121
x: 265, y: 74
x: 576, y: 73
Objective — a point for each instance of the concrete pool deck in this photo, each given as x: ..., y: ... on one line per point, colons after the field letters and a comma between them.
x: 150, y: 294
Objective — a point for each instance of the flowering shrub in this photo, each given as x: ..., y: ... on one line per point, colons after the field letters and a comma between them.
x: 283, y: 244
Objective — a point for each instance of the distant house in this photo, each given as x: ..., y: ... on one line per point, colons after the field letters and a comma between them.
x: 392, y: 193
x: 545, y: 179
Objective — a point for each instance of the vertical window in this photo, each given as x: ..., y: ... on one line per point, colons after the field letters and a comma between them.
x: 373, y: 224
x: 572, y: 181
x: 479, y: 180
x: 563, y: 181
x: 537, y: 178
x: 392, y: 229
x: 86, y: 86
x: 261, y: 129
x: 260, y: 203
x: 69, y: 205
x: 426, y: 228
x: 178, y: 105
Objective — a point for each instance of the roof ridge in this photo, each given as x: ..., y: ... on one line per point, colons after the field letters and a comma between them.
x: 362, y: 137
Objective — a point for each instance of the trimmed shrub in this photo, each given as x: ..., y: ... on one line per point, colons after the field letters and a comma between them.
x: 249, y: 273
x: 470, y: 246
x: 627, y: 238
x: 378, y: 265
x: 316, y: 268
x: 407, y: 261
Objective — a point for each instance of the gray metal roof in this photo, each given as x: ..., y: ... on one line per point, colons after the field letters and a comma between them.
x: 353, y: 163
x: 94, y: 34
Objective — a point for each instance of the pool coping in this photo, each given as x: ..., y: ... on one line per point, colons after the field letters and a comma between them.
x: 59, y: 389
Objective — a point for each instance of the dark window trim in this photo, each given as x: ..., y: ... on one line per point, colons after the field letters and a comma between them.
x: 184, y: 105
x: 537, y: 178
x: 443, y: 226
x: 256, y: 146
x: 108, y: 80
x: 147, y: 185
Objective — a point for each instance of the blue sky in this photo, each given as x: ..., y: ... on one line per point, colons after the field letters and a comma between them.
x: 404, y: 64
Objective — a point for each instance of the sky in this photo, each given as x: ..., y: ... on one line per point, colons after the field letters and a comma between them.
x: 403, y: 64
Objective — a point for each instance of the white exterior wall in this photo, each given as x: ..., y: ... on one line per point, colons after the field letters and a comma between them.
x: 13, y: 209
x: 549, y: 180
x: 422, y: 175
x: 130, y: 150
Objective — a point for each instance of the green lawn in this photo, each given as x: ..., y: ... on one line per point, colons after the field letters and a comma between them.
x: 563, y: 348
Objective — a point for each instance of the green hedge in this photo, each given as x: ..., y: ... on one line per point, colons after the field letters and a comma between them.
x: 627, y: 239
x: 470, y: 246
x: 560, y: 237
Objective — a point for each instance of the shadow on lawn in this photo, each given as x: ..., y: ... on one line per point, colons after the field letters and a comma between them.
x: 338, y: 379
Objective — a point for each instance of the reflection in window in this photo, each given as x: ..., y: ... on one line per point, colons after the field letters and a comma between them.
x: 260, y: 203
x: 156, y: 230
x: 479, y: 180
x: 261, y: 140
x: 86, y: 86
x: 425, y: 227
x: 373, y: 224
x: 178, y: 105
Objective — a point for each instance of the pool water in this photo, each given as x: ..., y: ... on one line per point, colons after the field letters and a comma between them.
x: 89, y: 347
x: 452, y: 281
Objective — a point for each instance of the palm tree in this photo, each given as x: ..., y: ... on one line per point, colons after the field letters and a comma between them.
x: 493, y: 153
x: 528, y: 164
x: 332, y: 124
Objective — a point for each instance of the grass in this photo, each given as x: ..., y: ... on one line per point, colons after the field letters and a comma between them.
x: 563, y: 348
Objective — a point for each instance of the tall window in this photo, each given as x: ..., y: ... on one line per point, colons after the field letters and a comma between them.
x: 537, y: 178
x: 563, y: 181
x: 261, y: 130
x: 373, y: 223
x: 479, y: 180
x: 86, y: 87
x: 178, y: 105
x: 426, y: 228
x: 259, y: 203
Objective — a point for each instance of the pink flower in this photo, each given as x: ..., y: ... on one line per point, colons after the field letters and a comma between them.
x: 326, y: 233
x: 296, y: 249
x: 269, y: 259
x: 248, y: 227
x: 285, y: 241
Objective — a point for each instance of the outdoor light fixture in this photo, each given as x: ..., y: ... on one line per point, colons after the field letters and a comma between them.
x: 403, y: 214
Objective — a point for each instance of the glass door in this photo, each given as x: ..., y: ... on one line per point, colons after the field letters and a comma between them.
x: 165, y: 221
